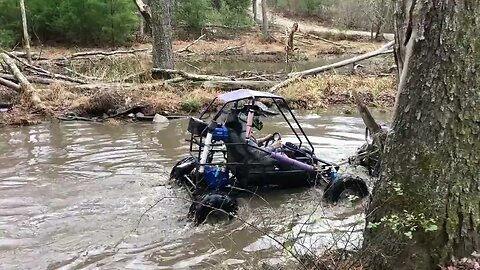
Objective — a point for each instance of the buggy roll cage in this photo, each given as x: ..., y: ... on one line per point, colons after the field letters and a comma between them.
x: 248, y: 95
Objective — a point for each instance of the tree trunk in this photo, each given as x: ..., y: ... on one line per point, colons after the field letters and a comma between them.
x: 26, y: 38
x: 146, y: 22
x: 254, y: 9
x: 425, y: 209
x: 162, y: 34
x: 265, y: 19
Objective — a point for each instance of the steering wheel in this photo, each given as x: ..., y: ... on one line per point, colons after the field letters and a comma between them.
x: 276, y: 137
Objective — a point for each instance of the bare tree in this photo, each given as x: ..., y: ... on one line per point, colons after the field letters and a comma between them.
x: 425, y: 208
x: 26, y: 38
x: 162, y: 34
x: 144, y: 10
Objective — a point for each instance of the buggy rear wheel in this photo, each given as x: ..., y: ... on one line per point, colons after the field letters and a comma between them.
x: 345, y: 186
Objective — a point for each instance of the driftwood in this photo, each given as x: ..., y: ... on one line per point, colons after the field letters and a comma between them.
x: 9, y: 84
x: 26, y: 89
x: 295, y: 76
x: 187, y: 48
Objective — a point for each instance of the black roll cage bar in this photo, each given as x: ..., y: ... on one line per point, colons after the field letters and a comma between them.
x: 193, y: 138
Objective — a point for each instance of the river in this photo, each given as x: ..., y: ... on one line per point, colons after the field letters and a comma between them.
x: 72, y: 193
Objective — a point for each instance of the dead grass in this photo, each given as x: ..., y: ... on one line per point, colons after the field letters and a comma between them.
x: 326, y: 90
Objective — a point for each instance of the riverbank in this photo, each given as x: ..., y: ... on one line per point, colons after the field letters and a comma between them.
x: 317, y: 93
x: 121, y: 83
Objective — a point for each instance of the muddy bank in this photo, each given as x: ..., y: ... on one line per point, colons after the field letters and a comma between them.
x: 157, y: 98
x: 122, y: 82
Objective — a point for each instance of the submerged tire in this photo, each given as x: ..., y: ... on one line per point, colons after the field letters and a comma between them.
x: 183, y: 168
x: 210, y: 203
x: 343, y: 186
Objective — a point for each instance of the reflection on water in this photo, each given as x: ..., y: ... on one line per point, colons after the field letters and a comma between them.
x: 71, y: 195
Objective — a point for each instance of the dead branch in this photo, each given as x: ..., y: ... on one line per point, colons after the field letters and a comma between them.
x: 229, y: 48
x: 145, y: 12
x: 35, y: 56
x: 26, y: 88
x: 294, y: 76
x: 231, y: 85
x: 189, y: 76
x: 103, y: 53
x: 42, y: 72
x: 289, y: 48
x: 320, y: 38
x: 34, y: 79
x: 9, y: 84
x: 187, y: 48
x: 367, y: 117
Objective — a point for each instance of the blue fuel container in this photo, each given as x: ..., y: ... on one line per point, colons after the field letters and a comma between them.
x: 220, y: 133
x: 215, y: 177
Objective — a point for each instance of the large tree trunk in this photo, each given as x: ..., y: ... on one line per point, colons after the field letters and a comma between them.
x: 162, y: 34
x: 426, y: 205
x: 26, y: 38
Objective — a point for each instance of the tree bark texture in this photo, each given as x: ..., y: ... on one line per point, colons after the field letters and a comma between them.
x: 431, y: 164
x: 254, y: 10
x: 26, y: 38
x: 265, y: 18
x: 162, y: 34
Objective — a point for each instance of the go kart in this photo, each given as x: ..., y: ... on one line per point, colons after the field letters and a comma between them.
x: 226, y: 160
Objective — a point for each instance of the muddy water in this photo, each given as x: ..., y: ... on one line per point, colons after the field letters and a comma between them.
x: 71, y: 197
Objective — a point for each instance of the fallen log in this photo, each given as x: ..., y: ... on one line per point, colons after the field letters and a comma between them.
x: 190, y: 76
x: 34, y: 79
x: 320, y: 38
x: 229, y: 48
x: 9, y: 84
x: 103, y: 53
x: 187, y: 48
x: 45, y: 73
x: 231, y: 85
x: 295, y: 76
x: 383, y: 50
x: 26, y: 89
